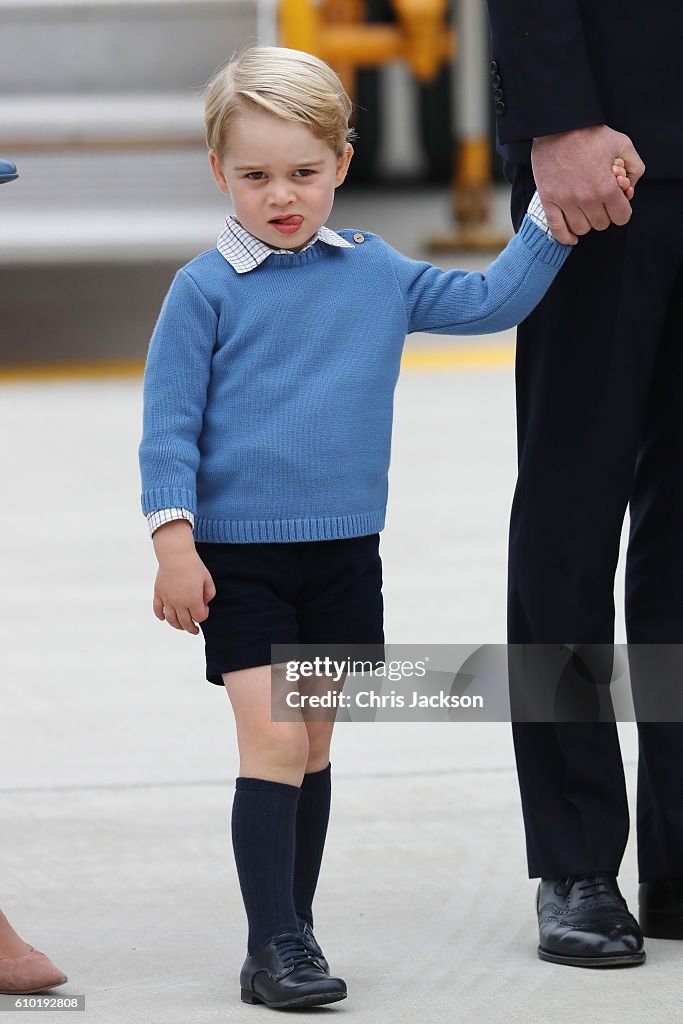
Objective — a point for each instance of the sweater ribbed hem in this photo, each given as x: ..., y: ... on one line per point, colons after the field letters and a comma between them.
x: 546, y: 249
x: 286, y: 531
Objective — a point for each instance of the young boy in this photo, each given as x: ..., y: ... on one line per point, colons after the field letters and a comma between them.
x: 268, y: 398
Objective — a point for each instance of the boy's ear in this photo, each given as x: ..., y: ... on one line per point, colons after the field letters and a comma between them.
x: 221, y: 181
x: 343, y: 164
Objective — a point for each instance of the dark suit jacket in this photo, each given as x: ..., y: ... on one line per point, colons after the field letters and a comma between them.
x: 562, y: 64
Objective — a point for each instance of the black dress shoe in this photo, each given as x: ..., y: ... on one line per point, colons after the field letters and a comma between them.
x: 583, y: 921
x: 661, y: 908
x: 311, y: 944
x: 284, y: 973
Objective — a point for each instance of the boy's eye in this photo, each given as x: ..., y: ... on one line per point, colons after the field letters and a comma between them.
x: 258, y: 175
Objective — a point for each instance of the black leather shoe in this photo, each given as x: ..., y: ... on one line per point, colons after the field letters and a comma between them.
x: 311, y: 944
x: 583, y: 921
x: 661, y: 908
x: 283, y: 973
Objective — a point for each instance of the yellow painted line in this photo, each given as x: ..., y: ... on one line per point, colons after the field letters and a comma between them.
x: 483, y: 357
x: 479, y: 357
x: 60, y: 371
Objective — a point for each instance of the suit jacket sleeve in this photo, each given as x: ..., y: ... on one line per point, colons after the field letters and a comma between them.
x: 548, y: 86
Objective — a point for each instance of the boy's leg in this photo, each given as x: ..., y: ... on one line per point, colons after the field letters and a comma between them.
x: 319, y: 741
x: 253, y: 609
x: 341, y: 616
x: 280, y: 969
x: 273, y: 757
x: 312, y: 818
x: 277, y: 751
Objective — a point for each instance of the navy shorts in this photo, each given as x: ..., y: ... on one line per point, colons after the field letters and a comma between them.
x: 326, y: 592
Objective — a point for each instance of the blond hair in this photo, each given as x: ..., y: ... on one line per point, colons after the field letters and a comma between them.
x: 290, y: 84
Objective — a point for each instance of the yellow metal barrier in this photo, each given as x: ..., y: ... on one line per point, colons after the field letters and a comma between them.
x: 337, y: 32
x: 471, y: 184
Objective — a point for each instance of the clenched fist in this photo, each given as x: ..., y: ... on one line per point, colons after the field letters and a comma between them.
x: 578, y: 190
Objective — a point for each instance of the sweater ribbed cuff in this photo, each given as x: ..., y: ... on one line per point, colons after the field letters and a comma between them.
x: 540, y: 245
x: 168, y: 497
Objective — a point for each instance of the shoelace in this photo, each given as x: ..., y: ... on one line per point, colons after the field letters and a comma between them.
x: 310, y: 942
x: 593, y: 886
x: 291, y: 950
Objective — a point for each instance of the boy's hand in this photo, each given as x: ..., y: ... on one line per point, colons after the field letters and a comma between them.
x: 182, y: 591
x: 623, y: 181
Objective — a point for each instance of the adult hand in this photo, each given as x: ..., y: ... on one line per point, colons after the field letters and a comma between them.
x: 573, y: 172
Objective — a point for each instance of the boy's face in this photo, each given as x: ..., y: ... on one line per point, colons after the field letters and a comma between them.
x: 281, y: 178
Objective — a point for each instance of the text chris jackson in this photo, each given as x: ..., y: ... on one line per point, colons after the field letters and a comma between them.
x: 369, y: 699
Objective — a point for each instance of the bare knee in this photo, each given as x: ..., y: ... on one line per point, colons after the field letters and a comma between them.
x: 319, y: 738
x: 287, y: 745
x: 272, y: 750
x: 279, y: 752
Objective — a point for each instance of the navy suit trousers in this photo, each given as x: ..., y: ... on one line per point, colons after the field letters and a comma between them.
x: 599, y: 381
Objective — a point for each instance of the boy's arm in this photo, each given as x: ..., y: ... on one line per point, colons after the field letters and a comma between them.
x: 174, y: 397
x: 462, y: 302
x: 458, y: 302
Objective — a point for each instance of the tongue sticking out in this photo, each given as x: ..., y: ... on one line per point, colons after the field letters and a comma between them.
x: 287, y: 225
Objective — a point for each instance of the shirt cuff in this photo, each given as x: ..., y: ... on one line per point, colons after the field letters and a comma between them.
x: 537, y: 214
x: 165, y: 515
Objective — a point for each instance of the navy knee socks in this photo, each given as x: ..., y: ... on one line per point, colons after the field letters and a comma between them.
x: 263, y: 836
x: 312, y: 817
x: 278, y: 836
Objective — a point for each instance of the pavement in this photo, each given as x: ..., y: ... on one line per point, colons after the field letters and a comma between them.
x: 119, y: 759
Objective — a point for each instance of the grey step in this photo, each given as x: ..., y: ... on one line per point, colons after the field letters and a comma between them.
x: 164, y: 205
x: 110, y: 206
x: 126, y: 46
x: 52, y: 121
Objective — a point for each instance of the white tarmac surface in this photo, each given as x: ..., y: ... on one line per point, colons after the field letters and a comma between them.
x: 119, y: 759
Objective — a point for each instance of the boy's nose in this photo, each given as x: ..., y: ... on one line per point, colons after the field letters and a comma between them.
x: 281, y: 194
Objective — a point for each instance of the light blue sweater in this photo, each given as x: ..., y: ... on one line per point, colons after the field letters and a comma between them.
x: 268, y: 396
